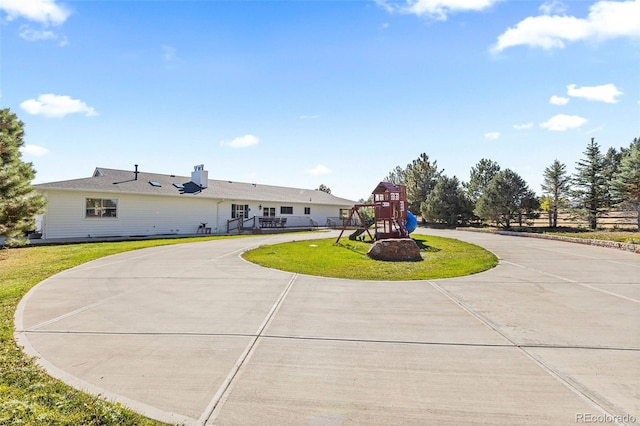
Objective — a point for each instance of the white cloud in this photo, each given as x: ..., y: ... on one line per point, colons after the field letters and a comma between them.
x: 30, y: 34
x: 492, y: 136
x: 558, y: 100
x: 552, y: 6
x: 34, y: 150
x: 319, y: 170
x: 562, y: 122
x: 435, y: 9
x: 47, y: 12
x: 604, y: 93
x: 36, y: 35
x: 606, y: 19
x: 523, y: 126
x: 242, y: 141
x: 545, y: 31
x: 51, y: 105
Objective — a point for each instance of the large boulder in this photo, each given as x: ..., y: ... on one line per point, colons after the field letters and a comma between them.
x: 395, y: 249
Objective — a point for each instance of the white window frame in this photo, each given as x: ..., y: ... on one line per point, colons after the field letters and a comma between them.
x: 268, y: 212
x: 100, y: 208
x: 239, y: 211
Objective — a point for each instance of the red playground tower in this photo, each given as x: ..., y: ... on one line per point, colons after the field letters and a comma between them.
x: 390, y: 206
x: 390, y: 211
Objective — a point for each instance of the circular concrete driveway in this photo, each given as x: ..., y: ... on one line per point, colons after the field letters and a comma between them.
x: 193, y: 334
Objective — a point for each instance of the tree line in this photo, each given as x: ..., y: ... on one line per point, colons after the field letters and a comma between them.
x: 601, y: 182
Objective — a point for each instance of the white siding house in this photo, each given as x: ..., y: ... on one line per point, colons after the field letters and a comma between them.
x: 126, y: 203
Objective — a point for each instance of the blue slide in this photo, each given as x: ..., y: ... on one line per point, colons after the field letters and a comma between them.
x: 412, y: 222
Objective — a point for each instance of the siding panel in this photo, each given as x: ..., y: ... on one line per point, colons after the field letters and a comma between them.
x: 137, y: 215
x: 141, y: 214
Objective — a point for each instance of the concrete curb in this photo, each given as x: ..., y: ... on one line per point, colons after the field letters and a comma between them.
x: 634, y: 248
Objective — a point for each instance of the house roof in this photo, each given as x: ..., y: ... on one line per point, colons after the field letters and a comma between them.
x: 124, y: 182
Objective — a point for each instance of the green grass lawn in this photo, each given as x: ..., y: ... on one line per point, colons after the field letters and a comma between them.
x: 443, y: 258
x: 628, y: 237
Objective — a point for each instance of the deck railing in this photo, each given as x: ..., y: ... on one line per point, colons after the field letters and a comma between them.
x: 241, y: 224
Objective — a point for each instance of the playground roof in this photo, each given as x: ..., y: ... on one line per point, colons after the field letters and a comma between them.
x: 386, y: 187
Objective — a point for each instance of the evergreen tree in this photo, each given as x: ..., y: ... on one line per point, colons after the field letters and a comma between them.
x: 556, y: 186
x: 506, y: 198
x: 19, y: 201
x: 447, y: 203
x: 626, y: 184
x: 396, y: 176
x: 529, y: 206
x: 590, y: 185
x: 480, y: 177
x: 420, y: 178
x: 611, y: 165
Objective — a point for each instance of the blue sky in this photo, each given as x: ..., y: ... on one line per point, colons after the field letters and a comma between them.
x: 302, y: 93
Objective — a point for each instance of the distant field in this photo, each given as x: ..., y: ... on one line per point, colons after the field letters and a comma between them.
x: 622, y: 220
x: 628, y: 237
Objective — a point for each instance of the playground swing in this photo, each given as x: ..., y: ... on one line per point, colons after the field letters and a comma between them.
x: 391, y: 217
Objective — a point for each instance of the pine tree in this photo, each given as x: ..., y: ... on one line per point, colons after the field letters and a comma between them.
x: 396, y: 176
x: 590, y: 185
x: 506, y: 198
x: 447, y: 203
x: 420, y: 178
x: 556, y: 185
x: 19, y: 201
x: 611, y: 165
x: 480, y: 177
x: 626, y: 184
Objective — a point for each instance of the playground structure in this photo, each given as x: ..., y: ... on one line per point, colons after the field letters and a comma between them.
x: 391, y: 217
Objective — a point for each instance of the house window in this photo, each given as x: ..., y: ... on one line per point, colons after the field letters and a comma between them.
x: 344, y: 213
x: 286, y: 210
x: 100, y: 207
x: 269, y: 212
x: 307, y: 210
x: 239, y: 211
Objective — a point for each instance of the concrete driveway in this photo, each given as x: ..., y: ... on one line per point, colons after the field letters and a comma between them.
x: 193, y: 334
